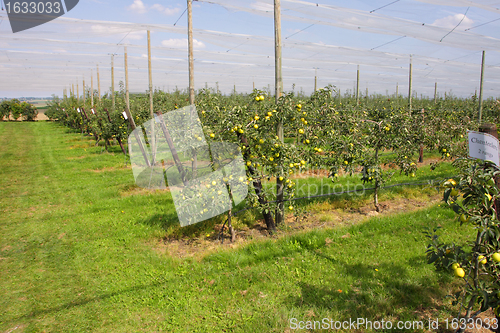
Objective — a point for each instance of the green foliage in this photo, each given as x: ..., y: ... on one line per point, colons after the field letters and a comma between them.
x: 15, y: 108
x: 29, y: 111
x: 374, y: 138
x: 5, y: 108
x: 474, y: 198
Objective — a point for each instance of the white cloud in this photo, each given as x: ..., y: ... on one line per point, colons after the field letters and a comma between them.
x: 181, y: 43
x: 450, y: 22
x: 138, y: 7
x: 165, y: 10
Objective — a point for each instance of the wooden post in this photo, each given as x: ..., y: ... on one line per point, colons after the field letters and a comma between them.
x: 421, y: 153
x: 98, y: 84
x: 481, y: 90
x: 77, y: 93
x: 435, y: 91
x: 190, y: 51
x: 129, y: 114
x: 152, y: 141
x: 410, y: 83
x: 278, y: 85
x: 397, y: 89
x: 150, y: 77
x: 73, y: 90
x: 83, y: 91
x: 278, y: 82
x: 127, y: 101
x: 173, y: 150
x: 315, y: 79
x: 357, y: 87
x: 91, y: 89
x: 113, y: 81
x: 366, y: 92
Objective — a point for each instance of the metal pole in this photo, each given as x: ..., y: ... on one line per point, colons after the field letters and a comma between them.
x: 113, y: 81
x: 410, y: 82
x: 481, y: 90
x: 190, y: 51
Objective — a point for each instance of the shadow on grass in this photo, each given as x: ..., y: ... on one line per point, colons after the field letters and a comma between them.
x: 387, y: 293
x: 82, y: 302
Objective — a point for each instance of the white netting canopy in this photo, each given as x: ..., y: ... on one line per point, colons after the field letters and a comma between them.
x: 327, y: 39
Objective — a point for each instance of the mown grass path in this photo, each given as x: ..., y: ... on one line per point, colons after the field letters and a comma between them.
x: 74, y: 256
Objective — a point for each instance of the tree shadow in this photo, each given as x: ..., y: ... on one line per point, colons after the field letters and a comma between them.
x: 84, y: 301
x: 403, y: 298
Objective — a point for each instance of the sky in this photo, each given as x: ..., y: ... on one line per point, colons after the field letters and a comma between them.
x: 234, y: 46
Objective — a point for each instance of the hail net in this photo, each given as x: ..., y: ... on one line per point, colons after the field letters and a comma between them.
x: 66, y: 51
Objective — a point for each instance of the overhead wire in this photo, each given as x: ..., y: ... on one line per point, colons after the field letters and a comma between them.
x: 388, y: 43
x: 456, y: 25
x: 477, y: 26
x: 371, y: 11
x: 299, y: 31
x: 180, y: 16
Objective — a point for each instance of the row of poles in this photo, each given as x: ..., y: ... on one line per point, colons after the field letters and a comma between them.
x: 410, y: 86
x: 278, y: 84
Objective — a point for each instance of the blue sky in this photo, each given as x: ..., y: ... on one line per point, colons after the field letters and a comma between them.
x: 324, y: 40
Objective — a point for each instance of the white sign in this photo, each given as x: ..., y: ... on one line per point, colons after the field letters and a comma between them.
x: 484, y: 147
x: 93, y: 112
x: 124, y: 115
x: 77, y: 110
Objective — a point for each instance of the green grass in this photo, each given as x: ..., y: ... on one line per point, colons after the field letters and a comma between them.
x: 76, y: 255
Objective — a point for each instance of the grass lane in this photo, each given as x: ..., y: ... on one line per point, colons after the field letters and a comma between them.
x: 75, y: 256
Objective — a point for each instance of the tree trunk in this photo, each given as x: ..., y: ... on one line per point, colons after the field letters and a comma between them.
x: 121, y: 146
x: 230, y: 226
x: 377, y: 185
x: 268, y: 217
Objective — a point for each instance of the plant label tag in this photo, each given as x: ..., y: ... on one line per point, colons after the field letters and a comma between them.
x: 78, y: 110
x: 93, y: 111
x: 484, y: 146
x: 124, y: 115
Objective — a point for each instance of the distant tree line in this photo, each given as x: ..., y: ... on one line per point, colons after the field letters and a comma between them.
x: 14, y: 109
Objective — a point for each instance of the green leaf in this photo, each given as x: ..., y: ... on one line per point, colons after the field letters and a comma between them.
x: 433, y: 258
